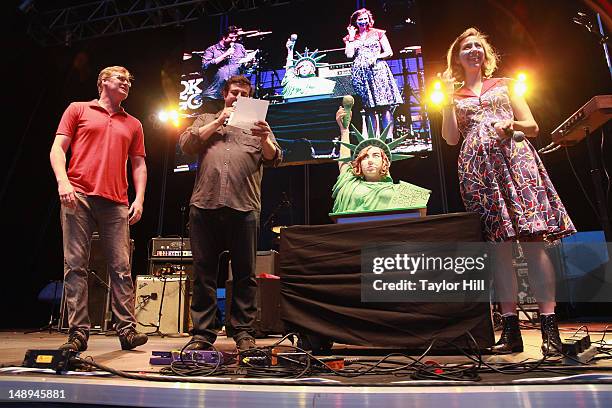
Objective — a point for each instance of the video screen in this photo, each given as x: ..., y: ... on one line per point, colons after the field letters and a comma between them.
x: 305, y: 92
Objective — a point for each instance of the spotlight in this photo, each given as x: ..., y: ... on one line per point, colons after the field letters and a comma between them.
x: 163, y: 116
x: 520, y: 85
x: 437, y: 97
x: 169, y: 115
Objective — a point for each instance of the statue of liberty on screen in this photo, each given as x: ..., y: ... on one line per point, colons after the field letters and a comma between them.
x: 300, y: 80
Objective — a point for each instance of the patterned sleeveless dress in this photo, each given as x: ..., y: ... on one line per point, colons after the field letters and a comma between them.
x: 505, y: 182
x: 375, y: 84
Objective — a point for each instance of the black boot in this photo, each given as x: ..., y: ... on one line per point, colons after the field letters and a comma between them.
x: 551, y: 341
x: 510, y: 340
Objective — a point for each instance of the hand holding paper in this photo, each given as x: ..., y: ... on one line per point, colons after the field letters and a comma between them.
x: 248, y: 111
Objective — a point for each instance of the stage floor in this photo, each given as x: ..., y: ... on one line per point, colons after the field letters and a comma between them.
x: 560, y: 386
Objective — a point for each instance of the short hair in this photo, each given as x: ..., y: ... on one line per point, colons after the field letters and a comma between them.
x: 108, y: 72
x: 453, y: 66
x: 357, y: 13
x: 238, y: 80
x: 230, y: 30
x: 356, y: 164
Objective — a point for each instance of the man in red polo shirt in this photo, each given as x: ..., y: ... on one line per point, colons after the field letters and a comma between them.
x: 101, y: 136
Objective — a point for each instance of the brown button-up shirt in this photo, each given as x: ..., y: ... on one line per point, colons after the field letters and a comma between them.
x: 230, y: 166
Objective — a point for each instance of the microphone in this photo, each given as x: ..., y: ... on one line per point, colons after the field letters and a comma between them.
x: 226, y: 121
x: 516, y: 135
x: 347, y: 103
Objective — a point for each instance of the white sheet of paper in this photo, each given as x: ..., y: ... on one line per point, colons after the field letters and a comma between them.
x: 247, y: 112
x: 248, y: 57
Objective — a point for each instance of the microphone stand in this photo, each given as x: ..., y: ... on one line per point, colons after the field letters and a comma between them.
x: 181, y: 269
x: 583, y: 20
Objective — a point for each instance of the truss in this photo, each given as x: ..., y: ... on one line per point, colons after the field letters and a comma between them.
x: 102, y: 18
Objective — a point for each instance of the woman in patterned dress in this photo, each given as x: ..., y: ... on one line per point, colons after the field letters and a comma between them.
x: 372, y: 79
x: 503, y: 180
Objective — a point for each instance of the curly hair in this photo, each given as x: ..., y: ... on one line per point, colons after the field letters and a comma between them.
x: 453, y: 66
x: 356, y: 164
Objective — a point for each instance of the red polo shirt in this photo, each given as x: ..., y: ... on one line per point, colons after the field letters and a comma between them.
x: 101, y: 144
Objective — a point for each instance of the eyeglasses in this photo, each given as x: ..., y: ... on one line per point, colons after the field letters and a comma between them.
x: 122, y: 78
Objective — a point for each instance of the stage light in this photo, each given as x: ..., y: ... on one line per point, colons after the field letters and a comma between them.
x: 437, y: 97
x: 170, y: 115
x: 520, y: 85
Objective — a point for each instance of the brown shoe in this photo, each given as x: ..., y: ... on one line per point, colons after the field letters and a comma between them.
x: 130, y: 339
x: 246, y: 343
x: 77, y: 341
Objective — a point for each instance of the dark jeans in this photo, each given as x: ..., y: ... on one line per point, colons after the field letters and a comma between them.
x: 212, y: 232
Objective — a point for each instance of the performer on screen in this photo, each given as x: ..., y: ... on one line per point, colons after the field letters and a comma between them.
x: 364, y: 183
x: 503, y: 179
x: 301, y: 78
x: 219, y: 62
x: 372, y: 79
x: 224, y: 214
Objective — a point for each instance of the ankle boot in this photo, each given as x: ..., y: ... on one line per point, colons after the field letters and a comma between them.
x: 551, y: 341
x: 510, y: 340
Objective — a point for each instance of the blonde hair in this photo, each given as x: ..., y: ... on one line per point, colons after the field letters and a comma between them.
x: 109, y: 71
x: 453, y: 66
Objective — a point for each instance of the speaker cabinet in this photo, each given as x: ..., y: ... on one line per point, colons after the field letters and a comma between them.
x: 267, y: 320
x: 266, y: 262
x: 157, y: 304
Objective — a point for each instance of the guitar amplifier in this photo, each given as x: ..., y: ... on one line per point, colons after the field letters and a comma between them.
x: 341, y: 74
x: 336, y: 70
x: 170, y: 248
x: 157, y: 304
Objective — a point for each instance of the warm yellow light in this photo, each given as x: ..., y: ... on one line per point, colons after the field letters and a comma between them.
x: 171, y: 115
x: 520, y: 85
x: 437, y: 97
x: 163, y: 116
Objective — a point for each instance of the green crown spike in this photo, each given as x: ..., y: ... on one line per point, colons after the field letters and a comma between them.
x: 373, y: 140
x: 311, y: 57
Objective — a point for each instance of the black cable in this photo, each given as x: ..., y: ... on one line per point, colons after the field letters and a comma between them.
x: 307, y: 364
x: 603, y: 163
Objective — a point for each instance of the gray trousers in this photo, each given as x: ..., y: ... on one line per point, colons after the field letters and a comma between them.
x: 111, y: 220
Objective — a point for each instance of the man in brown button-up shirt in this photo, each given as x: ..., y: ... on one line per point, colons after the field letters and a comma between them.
x: 224, y: 213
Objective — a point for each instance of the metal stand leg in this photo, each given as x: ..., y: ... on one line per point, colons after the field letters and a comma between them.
x: 600, y: 198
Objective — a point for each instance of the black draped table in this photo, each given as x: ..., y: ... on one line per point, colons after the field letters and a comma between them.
x: 320, y: 269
